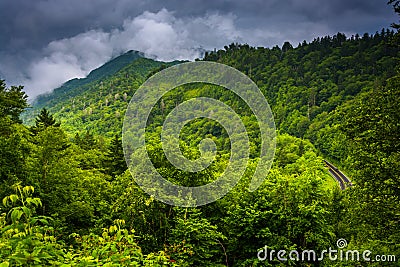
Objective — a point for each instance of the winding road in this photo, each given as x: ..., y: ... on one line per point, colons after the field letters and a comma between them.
x: 342, y: 179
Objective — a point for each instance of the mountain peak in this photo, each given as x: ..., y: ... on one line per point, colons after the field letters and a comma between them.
x: 106, y: 70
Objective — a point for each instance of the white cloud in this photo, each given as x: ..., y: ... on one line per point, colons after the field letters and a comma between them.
x: 161, y: 35
x: 68, y: 58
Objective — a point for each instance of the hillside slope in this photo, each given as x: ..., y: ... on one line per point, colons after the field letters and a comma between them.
x: 342, y: 94
x: 304, y: 85
x: 70, y: 87
x: 307, y: 86
x: 97, y: 102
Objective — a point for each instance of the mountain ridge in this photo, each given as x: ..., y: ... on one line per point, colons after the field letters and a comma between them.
x: 98, y: 91
x: 107, y: 69
x: 304, y: 85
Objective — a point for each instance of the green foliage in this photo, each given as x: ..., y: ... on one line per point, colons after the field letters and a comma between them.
x: 75, y: 86
x: 14, y: 146
x: 15, y: 149
x: 97, y: 103
x: 13, y: 101
x: 115, y: 160
x: 292, y: 210
x: 44, y: 120
x: 27, y: 240
x: 305, y: 85
x: 335, y: 97
x: 194, y: 241
x: 115, y: 247
x: 372, y: 128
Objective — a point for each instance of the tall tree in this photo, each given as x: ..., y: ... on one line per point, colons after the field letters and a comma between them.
x: 13, y: 101
x: 115, y: 161
x: 44, y: 120
x: 14, y: 146
x: 86, y: 141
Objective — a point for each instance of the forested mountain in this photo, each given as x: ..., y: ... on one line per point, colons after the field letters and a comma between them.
x: 302, y: 85
x: 306, y: 85
x: 68, y: 89
x: 69, y: 199
x: 96, y: 102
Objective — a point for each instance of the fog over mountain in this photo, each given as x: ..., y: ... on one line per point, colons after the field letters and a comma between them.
x: 45, y: 43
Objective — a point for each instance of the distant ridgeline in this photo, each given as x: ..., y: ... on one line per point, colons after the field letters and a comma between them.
x: 70, y: 88
x: 95, y: 103
x: 305, y: 85
x: 309, y: 86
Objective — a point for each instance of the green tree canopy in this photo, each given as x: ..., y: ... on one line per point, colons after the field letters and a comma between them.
x: 44, y: 120
x: 13, y: 101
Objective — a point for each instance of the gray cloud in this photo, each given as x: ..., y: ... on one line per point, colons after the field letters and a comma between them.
x: 44, y: 43
x: 160, y: 35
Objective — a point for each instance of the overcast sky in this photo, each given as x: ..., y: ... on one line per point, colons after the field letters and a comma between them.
x: 44, y: 43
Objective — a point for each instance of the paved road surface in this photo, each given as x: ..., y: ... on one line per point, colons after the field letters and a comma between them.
x: 342, y: 179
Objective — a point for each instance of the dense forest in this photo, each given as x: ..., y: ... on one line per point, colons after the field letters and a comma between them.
x: 70, y: 200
